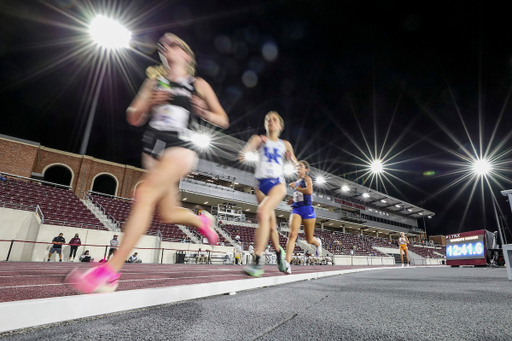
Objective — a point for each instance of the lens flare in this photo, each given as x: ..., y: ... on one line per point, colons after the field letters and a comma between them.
x: 109, y: 33
x: 482, y: 167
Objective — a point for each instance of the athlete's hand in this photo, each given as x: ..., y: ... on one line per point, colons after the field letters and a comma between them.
x: 159, y: 97
x: 293, y: 185
x: 199, y: 106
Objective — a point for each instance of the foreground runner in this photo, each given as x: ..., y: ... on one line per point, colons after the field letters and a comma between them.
x: 176, y: 101
x: 403, y: 240
x: 302, y: 213
x: 270, y: 189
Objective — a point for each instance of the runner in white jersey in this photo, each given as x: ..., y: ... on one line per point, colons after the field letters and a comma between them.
x: 270, y: 188
x: 173, y: 100
x: 403, y: 241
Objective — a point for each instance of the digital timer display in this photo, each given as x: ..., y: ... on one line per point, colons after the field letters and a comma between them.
x: 471, y: 247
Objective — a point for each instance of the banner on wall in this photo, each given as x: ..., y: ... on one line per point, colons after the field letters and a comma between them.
x: 349, y: 204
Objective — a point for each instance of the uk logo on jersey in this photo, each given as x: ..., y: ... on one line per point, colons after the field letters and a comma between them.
x: 272, y: 156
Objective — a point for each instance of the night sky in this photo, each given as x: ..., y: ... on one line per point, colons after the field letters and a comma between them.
x: 402, y: 76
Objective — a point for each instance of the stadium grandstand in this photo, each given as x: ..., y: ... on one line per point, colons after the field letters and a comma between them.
x: 353, y: 221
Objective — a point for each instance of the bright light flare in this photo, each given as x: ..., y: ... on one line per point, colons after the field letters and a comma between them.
x: 481, y: 167
x: 109, y: 33
x: 201, y: 140
x: 366, y: 195
x: 377, y: 166
x: 251, y: 157
x: 289, y: 169
x: 345, y: 188
x: 320, y: 180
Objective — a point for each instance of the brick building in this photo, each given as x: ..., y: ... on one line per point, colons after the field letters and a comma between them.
x: 31, y: 160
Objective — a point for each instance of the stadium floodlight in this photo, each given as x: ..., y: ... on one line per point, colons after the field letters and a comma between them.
x: 289, y: 169
x: 320, y: 180
x: 251, y: 157
x: 481, y: 167
x: 366, y: 195
x: 109, y: 33
x: 429, y: 217
x: 345, y: 188
x: 410, y: 210
x: 201, y: 140
x: 383, y: 201
x: 397, y: 206
x: 376, y: 166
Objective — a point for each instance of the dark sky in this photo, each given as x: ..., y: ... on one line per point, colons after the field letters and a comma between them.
x: 344, y: 72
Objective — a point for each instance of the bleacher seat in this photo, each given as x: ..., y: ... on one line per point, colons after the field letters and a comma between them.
x: 59, y: 206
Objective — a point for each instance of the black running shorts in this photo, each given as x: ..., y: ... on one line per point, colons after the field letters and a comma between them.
x: 155, y: 142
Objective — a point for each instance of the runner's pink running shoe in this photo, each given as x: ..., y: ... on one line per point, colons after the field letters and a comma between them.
x: 206, y: 228
x: 101, y: 278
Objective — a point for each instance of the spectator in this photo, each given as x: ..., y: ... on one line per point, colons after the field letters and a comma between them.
x: 208, y: 257
x: 2, y: 178
x: 57, y: 246
x: 184, y: 239
x: 200, y: 257
x: 238, y: 253
x: 85, y: 257
x: 134, y: 258
x: 74, y: 243
x: 251, y: 251
x: 114, y: 243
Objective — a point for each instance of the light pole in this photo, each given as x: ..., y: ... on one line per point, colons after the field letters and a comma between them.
x: 109, y: 35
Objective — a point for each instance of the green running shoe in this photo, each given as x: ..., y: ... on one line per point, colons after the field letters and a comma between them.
x: 254, y: 270
x: 281, y: 262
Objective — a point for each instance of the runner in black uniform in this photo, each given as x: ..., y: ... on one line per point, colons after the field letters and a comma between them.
x: 173, y: 101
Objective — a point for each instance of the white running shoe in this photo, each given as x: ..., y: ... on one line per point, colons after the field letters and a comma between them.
x: 319, y: 248
x: 288, y: 268
x: 403, y: 265
x: 407, y: 265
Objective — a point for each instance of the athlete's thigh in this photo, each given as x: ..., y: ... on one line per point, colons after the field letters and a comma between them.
x: 295, y: 222
x: 309, y: 226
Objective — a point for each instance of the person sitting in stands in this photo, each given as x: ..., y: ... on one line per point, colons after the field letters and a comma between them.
x: 2, y: 178
x: 134, y: 258
x: 86, y: 258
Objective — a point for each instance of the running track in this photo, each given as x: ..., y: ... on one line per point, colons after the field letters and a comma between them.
x: 31, y: 280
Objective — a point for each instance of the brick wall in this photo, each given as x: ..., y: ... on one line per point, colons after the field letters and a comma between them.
x: 21, y: 158
x: 17, y: 157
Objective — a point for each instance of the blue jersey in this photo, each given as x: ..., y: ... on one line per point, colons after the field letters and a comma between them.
x: 301, y: 199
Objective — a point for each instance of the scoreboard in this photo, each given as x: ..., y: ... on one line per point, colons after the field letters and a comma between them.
x: 467, y: 248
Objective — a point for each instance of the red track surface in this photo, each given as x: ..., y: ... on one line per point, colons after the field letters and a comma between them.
x: 31, y: 280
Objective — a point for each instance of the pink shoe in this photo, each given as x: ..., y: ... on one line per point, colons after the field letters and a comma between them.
x: 206, y: 228
x: 101, y: 278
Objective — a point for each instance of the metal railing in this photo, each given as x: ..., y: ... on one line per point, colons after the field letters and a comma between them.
x: 88, y: 195
x: 24, y: 207
x: 74, y: 224
x: 35, y: 180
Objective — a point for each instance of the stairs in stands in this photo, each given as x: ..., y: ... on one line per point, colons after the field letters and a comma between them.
x: 190, y: 234
x: 224, y: 234
x: 100, y: 215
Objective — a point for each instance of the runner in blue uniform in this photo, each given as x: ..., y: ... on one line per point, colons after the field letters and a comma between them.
x: 270, y: 188
x: 174, y: 102
x: 302, y: 213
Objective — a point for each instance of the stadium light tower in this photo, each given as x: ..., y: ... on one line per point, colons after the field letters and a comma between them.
x: 109, y: 35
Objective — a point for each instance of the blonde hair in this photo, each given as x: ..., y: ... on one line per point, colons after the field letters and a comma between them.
x: 153, y: 72
x: 305, y: 163
x: 278, y: 116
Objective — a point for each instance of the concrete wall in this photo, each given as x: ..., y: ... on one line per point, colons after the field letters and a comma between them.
x: 358, y: 260
x: 18, y: 225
